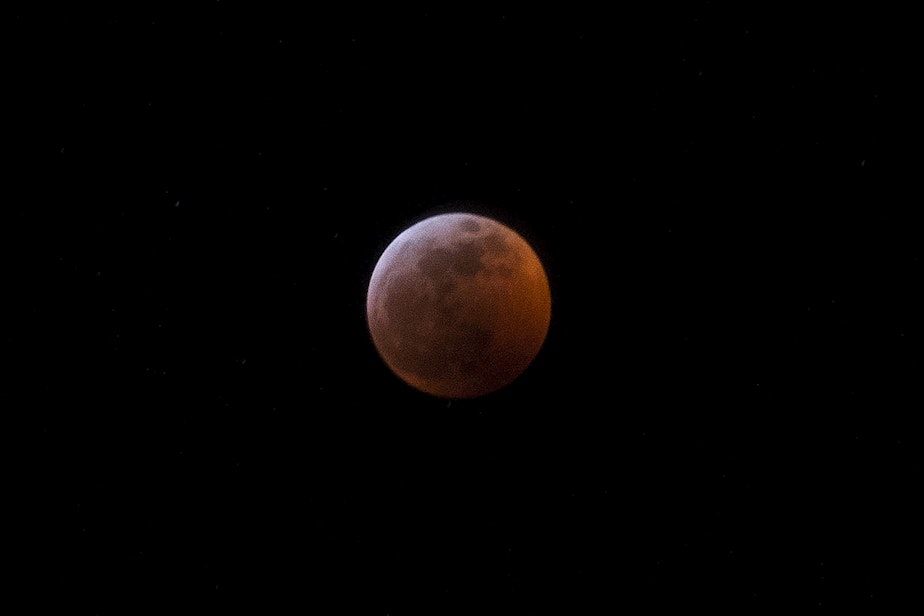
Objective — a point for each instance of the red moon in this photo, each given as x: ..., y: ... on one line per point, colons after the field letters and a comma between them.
x: 458, y: 305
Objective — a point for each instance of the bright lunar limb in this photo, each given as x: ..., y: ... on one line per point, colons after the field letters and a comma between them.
x: 458, y: 305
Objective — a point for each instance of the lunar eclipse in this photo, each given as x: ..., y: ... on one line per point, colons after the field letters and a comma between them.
x: 458, y: 305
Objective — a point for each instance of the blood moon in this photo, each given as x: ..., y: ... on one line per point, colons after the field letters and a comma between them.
x: 458, y: 305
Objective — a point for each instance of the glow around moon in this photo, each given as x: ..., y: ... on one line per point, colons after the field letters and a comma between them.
x: 458, y: 305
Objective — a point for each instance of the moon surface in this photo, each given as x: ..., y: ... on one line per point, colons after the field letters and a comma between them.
x: 458, y: 305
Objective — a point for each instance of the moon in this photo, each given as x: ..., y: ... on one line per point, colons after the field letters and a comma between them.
x: 458, y: 305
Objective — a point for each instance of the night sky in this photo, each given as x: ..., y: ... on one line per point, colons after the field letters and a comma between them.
x: 720, y: 417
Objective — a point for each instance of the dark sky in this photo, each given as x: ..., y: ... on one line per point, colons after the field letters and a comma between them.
x: 720, y: 416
